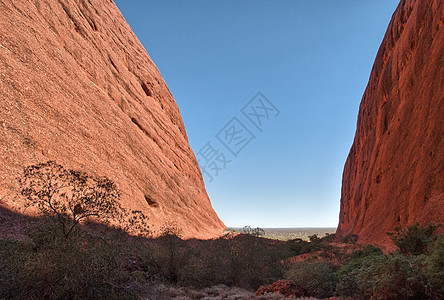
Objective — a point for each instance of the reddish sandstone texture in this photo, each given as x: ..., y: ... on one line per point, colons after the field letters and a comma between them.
x: 77, y: 87
x: 394, y: 174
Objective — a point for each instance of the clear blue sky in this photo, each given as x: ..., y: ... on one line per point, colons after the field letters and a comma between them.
x: 311, y: 59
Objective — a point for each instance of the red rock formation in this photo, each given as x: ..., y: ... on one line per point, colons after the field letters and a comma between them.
x: 77, y: 87
x: 394, y: 174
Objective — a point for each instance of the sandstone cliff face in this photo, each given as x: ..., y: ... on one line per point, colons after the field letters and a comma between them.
x: 394, y: 174
x: 77, y: 87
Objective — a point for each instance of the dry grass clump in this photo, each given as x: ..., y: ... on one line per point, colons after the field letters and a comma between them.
x: 213, y: 293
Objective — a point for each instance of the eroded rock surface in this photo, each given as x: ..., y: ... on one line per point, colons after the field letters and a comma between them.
x: 394, y: 174
x: 77, y: 87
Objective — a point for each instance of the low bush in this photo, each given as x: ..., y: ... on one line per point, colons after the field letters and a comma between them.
x: 318, y: 278
x: 369, y: 273
x: 171, y: 253
x: 99, y: 261
x: 245, y: 261
x: 51, y: 266
x: 299, y: 246
x: 414, y: 239
x: 435, y: 270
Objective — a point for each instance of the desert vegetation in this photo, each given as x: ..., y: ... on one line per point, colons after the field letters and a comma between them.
x: 285, y: 234
x: 67, y: 254
x: 99, y: 261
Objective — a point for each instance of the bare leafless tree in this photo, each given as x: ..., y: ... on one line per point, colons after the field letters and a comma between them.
x: 71, y: 196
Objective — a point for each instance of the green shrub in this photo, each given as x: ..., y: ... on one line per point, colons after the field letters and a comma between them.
x: 254, y: 261
x: 299, y: 246
x: 245, y: 261
x: 399, y: 277
x: 349, y: 238
x: 208, y: 264
x: 48, y: 265
x: 329, y: 238
x: 414, y: 239
x: 318, y: 278
x: 371, y: 274
x: 435, y: 270
x: 350, y: 274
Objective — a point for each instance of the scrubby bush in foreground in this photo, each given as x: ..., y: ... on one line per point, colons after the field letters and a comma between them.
x: 380, y: 276
x: 435, y: 270
x: 318, y: 278
x: 99, y: 261
x: 414, y: 239
x: 350, y: 274
x: 414, y: 272
x: 48, y: 266
x: 105, y: 262
x: 244, y: 260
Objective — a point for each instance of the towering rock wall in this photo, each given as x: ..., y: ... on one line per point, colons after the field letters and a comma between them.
x: 77, y: 87
x: 394, y: 174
